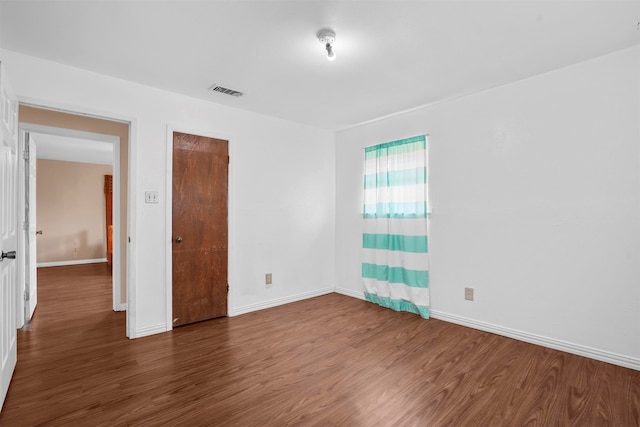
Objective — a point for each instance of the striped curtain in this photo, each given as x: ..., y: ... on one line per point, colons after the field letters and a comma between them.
x: 395, y: 266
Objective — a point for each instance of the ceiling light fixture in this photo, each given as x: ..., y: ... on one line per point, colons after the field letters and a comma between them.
x: 327, y: 37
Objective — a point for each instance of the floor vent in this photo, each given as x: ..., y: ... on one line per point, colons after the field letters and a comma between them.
x: 226, y: 91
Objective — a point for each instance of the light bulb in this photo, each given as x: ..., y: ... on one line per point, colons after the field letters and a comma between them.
x: 331, y: 55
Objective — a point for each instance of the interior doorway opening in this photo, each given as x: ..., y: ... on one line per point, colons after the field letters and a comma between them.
x: 93, y: 133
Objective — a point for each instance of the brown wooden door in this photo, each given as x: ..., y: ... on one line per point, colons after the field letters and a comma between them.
x: 200, y: 184
x: 108, y: 195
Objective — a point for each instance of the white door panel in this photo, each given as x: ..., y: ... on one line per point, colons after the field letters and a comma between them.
x: 33, y: 277
x: 8, y: 234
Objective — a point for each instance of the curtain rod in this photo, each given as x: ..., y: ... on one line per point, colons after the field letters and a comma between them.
x: 409, y: 137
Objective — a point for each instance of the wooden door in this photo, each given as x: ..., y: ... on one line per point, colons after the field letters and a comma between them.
x: 108, y: 197
x: 8, y: 235
x: 199, y: 224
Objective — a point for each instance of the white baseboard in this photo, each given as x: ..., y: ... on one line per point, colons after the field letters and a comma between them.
x: 350, y: 292
x: 150, y: 330
x: 580, y: 350
x: 160, y: 328
x: 278, y: 301
x: 121, y: 307
x: 70, y: 262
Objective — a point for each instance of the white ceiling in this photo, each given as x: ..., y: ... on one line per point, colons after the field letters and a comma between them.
x: 391, y: 55
x: 54, y: 147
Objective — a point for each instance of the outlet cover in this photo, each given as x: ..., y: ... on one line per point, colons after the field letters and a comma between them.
x: 267, y: 279
x: 151, y: 197
x: 468, y: 294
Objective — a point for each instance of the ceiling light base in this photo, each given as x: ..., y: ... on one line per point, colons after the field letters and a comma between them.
x: 326, y: 36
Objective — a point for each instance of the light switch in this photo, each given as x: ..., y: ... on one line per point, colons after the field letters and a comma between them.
x: 151, y: 197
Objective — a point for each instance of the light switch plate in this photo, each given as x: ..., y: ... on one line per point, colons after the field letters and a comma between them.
x: 151, y: 197
x: 468, y: 294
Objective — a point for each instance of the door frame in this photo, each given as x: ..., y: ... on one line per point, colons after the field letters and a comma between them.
x: 209, y: 133
x: 115, y: 162
x: 131, y: 321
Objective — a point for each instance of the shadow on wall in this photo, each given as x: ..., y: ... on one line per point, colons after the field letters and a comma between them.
x: 70, y: 247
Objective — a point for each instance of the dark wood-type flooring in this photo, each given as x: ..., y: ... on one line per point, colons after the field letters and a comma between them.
x: 326, y: 361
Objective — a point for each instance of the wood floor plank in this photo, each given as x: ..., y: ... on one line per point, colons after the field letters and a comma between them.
x: 327, y: 361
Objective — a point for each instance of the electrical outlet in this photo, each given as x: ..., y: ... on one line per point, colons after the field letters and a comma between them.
x: 267, y: 279
x: 468, y: 294
x: 151, y: 197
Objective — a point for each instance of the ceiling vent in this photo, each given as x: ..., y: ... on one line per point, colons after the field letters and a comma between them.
x: 226, y: 91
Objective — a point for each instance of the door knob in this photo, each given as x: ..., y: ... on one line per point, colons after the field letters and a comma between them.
x: 10, y: 255
x: 178, y: 239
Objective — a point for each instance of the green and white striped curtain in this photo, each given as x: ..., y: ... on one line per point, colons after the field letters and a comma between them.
x: 395, y: 266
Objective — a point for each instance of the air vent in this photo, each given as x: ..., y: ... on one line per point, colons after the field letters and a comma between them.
x: 226, y: 91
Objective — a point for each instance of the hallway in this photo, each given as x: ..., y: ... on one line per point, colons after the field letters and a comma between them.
x: 73, y: 323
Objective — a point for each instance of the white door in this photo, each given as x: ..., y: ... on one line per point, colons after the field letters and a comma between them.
x: 31, y: 294
x: 8, y: 234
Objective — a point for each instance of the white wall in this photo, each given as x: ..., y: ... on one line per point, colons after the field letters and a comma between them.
x: 282, y: 179
x: 535, y: 191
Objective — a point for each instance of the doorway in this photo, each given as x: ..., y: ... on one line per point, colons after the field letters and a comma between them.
x: 95, y: 133
x: 70, y: 227
x: 199, y: 254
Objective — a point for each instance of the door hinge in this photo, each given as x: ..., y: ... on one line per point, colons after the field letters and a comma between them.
x: 25, y: 226
x: 26, y: 296
x: 227, y: 288
x: 25, y: 156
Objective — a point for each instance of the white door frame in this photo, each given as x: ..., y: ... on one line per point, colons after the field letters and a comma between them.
x: 50, y: 130
x: 131, y: 325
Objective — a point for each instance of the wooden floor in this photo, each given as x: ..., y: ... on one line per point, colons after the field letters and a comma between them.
x: 327, y: 361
